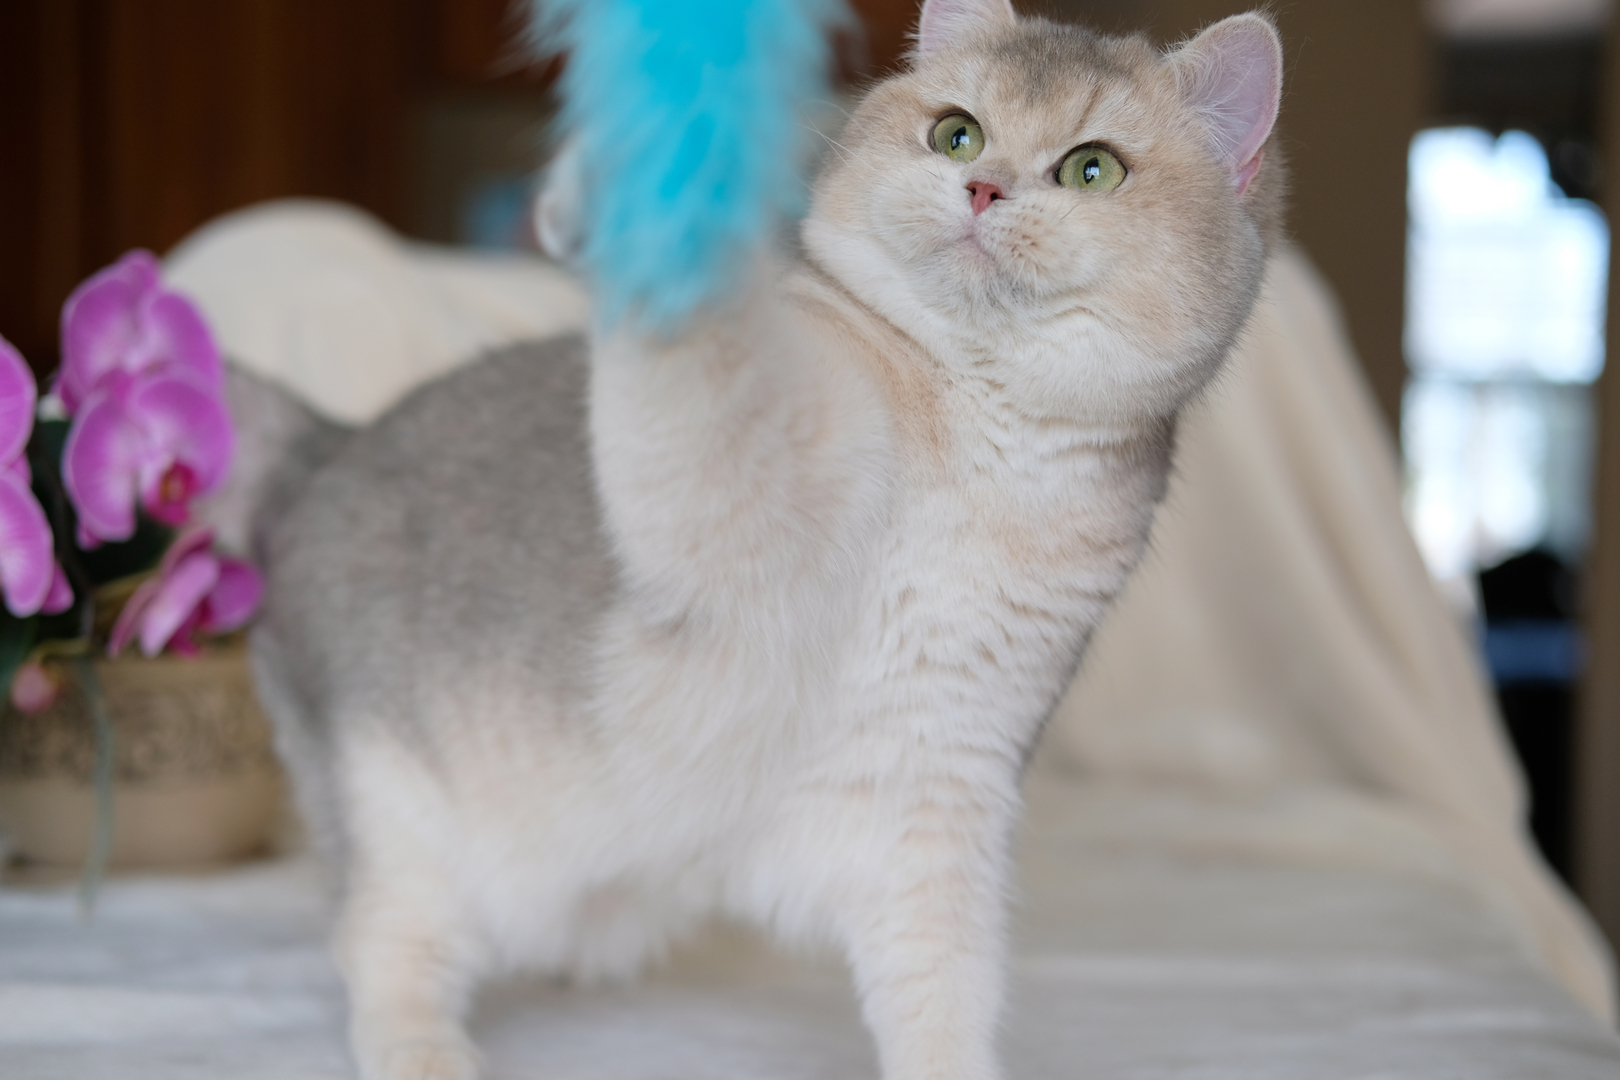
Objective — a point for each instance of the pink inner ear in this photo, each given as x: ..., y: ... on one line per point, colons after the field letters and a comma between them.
x: 1249, y: 170
x: 1232, y: 74
x: 944, y: 23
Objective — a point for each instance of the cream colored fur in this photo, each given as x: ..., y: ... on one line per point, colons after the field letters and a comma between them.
x: 862, y: 523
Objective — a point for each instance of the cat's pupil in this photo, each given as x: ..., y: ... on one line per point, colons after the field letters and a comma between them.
x: 1091, y: 170
x: 959, y: 138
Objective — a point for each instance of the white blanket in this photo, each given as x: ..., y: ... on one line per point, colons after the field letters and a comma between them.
x: 1274, y: 831
x: 1160, y: 934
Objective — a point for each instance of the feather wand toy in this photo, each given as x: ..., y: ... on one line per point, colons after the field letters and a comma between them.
x: 689, y: 121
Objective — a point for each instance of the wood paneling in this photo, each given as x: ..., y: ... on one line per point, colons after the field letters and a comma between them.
x: 210, y: 105
x: 22, y: 123
x: 1597, y: 745
x: 481, y: 42
x: 131, y: 122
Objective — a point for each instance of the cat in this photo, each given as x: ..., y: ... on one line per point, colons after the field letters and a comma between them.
x: 595, y: 638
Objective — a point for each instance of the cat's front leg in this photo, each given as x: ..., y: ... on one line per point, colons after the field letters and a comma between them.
x: 407, y: 991
x: 927, y: 939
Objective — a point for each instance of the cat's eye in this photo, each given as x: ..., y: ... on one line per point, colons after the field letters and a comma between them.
x: 1091, y: 168
x: 959, y: 137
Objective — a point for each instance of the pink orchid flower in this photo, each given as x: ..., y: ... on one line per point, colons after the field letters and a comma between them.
x: 29, y: 575
x: 122, y: 319
x: 194, y: 590
x: 159, y: 440
x: 142, y: 378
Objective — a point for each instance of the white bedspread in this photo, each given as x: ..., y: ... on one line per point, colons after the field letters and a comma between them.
x: 1161, y: 934
x: 1274, y: 831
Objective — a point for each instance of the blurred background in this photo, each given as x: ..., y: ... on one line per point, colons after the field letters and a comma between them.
x: 1448, y: 166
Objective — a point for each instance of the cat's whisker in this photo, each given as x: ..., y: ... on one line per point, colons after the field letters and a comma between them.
x: 842, y: 150
x: 832, y: 103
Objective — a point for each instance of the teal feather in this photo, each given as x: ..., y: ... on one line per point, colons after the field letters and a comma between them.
x: 690, y: 116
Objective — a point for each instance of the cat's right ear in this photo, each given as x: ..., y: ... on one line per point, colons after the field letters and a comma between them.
x: 560, y: 206
x: 945, y: 23
x: 1231, y: 75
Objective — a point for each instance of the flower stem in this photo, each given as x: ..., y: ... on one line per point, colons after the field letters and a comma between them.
x: 101, y: 834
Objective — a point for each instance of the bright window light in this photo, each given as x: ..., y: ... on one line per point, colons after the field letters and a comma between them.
x: 1505, y: 276
x: 1506, y: 282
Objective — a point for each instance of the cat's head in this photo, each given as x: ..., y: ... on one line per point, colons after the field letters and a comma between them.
x: 1083, y: 219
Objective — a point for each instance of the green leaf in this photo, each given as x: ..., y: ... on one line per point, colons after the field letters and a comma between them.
x: 46, y: 444
x: 16, y: 638
x: 142, y: 551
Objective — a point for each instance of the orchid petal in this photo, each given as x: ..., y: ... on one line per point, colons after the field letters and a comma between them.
x: 26, y: 563
x: 177, y: 339
x: 193, y: 540
x: 100, y: 324
x: 129, y: 619
x: 167, y: 488
x: 234, y: 599
x: 184, y: 423
x: 60, y: 596
x: 20, y: 468
x: 32, y: 688
x: 17, y: 395
x: 99, y: 465
x: 182, y: 642
x: 176, y: 601
x: 140, y: 268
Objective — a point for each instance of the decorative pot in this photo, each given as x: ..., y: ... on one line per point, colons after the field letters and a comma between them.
x: 195, y: 778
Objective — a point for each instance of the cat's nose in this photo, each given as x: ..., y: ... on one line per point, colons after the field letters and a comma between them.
x: 984, y: 193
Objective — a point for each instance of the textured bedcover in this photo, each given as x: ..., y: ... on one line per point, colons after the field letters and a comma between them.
x: 1360, y: 903
x: 1282, y: 631
x: 1160, y: 934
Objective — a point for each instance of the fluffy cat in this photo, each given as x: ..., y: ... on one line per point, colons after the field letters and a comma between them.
x: 593, y: 639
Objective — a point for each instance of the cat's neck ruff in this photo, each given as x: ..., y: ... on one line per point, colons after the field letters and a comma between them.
x: 992, y: 350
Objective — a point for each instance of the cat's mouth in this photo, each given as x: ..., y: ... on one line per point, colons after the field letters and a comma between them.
x: 975, y: 245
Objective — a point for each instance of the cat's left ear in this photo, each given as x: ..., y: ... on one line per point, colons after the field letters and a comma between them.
x: 1231, y: 74
x: 944, y: 23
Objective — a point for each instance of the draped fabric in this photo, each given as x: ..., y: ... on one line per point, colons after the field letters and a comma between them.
x: 1273, y: 830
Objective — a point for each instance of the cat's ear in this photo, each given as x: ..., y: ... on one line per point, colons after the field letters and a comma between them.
x: 559, y: 209
x: 1231, y: 74
x: 945, y: 23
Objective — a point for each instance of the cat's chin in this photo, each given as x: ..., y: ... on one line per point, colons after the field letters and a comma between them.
x: 978, y: 243
x: 972, y: 253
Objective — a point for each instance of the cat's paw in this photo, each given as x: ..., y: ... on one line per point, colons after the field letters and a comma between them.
x: 435, y: 1059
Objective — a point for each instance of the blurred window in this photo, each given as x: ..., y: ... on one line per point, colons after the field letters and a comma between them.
x: 1506, y: 280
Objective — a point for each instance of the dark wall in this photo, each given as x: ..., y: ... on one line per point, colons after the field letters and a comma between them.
x: 1597, y: 748
x: 127, y: 123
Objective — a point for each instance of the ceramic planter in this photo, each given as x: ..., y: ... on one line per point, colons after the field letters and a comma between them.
x: 195, y: 778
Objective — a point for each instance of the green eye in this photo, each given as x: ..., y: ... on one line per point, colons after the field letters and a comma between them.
x: 1091, y: 168
x: 959, y: 137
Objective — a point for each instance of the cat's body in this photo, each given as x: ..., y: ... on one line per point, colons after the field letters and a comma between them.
x: 771, y: 624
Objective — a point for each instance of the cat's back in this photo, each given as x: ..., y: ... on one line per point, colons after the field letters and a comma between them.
x: 458, y: 534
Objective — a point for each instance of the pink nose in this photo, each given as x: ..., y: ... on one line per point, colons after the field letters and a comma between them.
x: 984, y: 193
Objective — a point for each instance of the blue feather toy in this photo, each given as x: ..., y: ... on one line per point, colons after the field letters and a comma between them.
x: 690, y: 120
